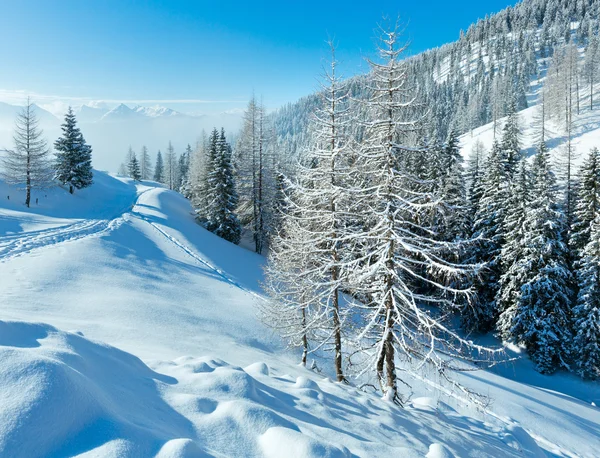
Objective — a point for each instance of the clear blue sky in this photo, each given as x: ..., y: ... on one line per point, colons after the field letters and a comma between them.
x: 217, y: 51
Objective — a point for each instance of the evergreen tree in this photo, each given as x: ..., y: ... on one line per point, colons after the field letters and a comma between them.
x: 586, y: 347
x: 27, y: 165
x: 454, y: 225
x: 488, y: 231
x: 511, y: 140
x: 171, y: 169
x: 514, y: 273
x: 184, y: 168
x: 159, y: 174
x: 133, y: 168
x: 588, y: 202
x: 145, y: 166
x: 73, y: 164
x: 221, y: 217
x: 540, y: 317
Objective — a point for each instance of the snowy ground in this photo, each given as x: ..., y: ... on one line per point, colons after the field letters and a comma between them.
x: 152, y: 348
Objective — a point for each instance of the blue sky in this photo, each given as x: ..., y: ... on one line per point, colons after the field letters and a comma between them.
x: 199, y: 56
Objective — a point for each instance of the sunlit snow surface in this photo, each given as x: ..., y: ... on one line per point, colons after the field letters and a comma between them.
x: 152, y: 348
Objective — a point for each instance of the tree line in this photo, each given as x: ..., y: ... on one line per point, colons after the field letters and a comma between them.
x: 29, y: 164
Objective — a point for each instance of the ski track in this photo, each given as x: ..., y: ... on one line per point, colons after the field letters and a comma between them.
x: 17, y: 245
x: 198, y: 259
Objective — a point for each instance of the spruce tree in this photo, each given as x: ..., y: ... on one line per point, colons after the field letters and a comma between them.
x: 159, y: 173
x: 588, y: 202
x: 145, y: 167
x: 514, y: 271
x: 454, y: 225
x: 222, y: 201
x: 133, y: 168
x: 511, y: 140
x: 73, y: 164
x: 488, y: 232
x: 586, y: 349
x: 541, y: 316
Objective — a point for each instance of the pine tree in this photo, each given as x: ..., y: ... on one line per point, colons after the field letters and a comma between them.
x: 514, y: 273
x: 198, y: 173
x: 586, y: 347
x: 27, y: 165
x: 588, y: 202
x: 488, y: 231
x: 171, y: 170
x: 393, y: 249
x: 453, y: 189
x: 145, y: 167
x: 184, y: 168
x: 73, y: 164
x: 223, y: 199
x: 159, y: 174
x: 540, y: 317
x: 592, y: 65
x: 316, y: 231
x: 511, y: 140
x: 133, y: 168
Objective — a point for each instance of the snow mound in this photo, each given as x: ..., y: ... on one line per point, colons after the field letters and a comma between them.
x: 91, y: 394
x: 106, y: 402
x: 278, y: 442
x: 438, y: 451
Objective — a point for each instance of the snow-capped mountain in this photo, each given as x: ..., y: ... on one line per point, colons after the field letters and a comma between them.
x: 157, y: 111
x: 111, y: 129
x: 89, y: 113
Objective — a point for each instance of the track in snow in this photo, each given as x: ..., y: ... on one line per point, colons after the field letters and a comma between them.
x: 16, y: 245
x: 198, y: 259
x: 28, y: 242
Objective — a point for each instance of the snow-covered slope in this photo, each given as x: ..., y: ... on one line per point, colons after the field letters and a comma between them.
x: 195, y: 374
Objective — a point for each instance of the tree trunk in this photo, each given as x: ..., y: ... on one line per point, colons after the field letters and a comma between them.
x: 304, y: 338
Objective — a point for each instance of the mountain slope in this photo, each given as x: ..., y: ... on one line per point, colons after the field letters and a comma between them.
x: 161, y: 288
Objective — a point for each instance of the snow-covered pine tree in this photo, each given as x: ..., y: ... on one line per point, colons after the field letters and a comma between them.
x: 198, y: 177
x: 184, y: 168
x: 475, y: 166
x: 591, y: 65
x: 145, y: 166
x: 133, y: 167
x: 315, y: 231
x: 511, y: 140
x: 159, y: 172
x: 513, y: 269
x: 27, y: 165
x: 454, y: 225
x: 394, y: 250
x: 73, y: 165
x: 488, y: 230
x: 586, y: 348
x: 290, y: 310
x: 222, y: 197
x: 588, y: 202
x: 542, y: 316
x: 171, y: 169
x: 251, y: 168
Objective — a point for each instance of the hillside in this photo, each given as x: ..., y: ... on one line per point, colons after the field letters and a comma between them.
x: 152, y: 348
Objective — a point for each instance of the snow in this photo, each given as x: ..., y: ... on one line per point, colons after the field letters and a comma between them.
x: 152, y: 348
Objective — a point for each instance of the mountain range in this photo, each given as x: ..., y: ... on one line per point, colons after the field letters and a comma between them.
x: 112, y: 130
